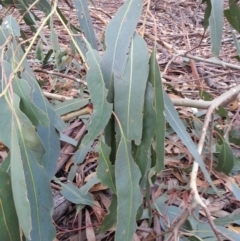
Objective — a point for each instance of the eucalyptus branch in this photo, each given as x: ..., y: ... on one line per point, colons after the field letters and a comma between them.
x: 215, y: 103
x: 212, y: 61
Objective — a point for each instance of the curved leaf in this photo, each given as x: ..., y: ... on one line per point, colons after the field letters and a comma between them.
x: 105, y: 171
x: 96, y: 86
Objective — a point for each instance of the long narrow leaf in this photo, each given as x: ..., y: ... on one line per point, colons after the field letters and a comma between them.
x: 130, y: 89
x: 117, y: 39
x: 155, y: 79
x: 149, y: 125
x: 9, y: 225
x: 9, y: 137
x: 105, y: 171
x: 85, y: 21
x: 216, y: 25
x: 96, y: 86
x: 128, y: 192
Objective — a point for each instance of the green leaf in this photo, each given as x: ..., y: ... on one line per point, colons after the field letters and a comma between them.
x: 207, y: 14
x: 85, y: 21
x: 105, y: 171
x: 111, y: 218
x: 70, y: 105
x: 232, y: 14
x: 33, y: 201
x: 216, y: 26
x: 231, y: 218
x: 11, y: 25
x: 9, y: 225
x: 101, y: 108
x: 117, y: 39
x: 225, y: 159
x: 9, y: 136
x: 149, y: 125
x: 155, y: 79
x: 177, y: 125
x: 48, y: 135
x: 128, y: 192
x: 76, y: 195
x: 22, y: 89
x: 129, y: 91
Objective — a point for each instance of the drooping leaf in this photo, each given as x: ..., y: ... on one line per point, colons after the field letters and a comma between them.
x: 177, y: 125
x: 96, y: 86
x: 155, y: 79
x: 129, y: 91
x: 22, y: 89
x: 9, y: 137
x: 111, y: 218
x: 48, y: 135
x: 105, y: 171
x: 216, y: 26
x: 128, y: 192
x: 33, y: 201
x: 149, y: 122
x: 85, y: 21
x: 9, y: 225
x: 70, y: 105
x: 117, y: 39
x: 225, y: 159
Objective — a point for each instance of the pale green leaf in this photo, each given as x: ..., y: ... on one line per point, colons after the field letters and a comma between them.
x: 149, y: 125
x: 128, y: 192
x: 101, y: 108
x: 11, y: 25
x: 216, y: 26
x: 76, y: 195
x: 105, y: 171
x: 117, y: 39
x: 70, y: 105
x: 9, y: 225
x: 155, y: 79
x: 9, y: 136
x: 23, y: 90
x: 129, y: 91
x: 85, y: 21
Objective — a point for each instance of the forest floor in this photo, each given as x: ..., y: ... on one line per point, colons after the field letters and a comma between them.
x: 179, y: 31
